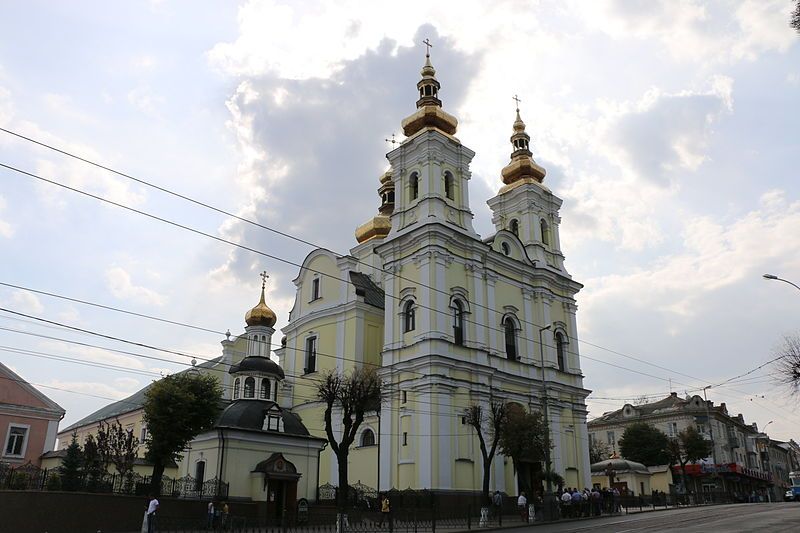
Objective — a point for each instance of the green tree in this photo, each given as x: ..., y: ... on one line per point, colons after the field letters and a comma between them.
x: 598, y: 451
x: 688, y: 447
x: 71, y: 466
x: 794, y: 21
x: 524, y: 438
x: 351, y: 395
x: 496, y: 421
x: 93, y: 468
x: 122, y: 449
x: 644, y: 444
x: 176, y: 409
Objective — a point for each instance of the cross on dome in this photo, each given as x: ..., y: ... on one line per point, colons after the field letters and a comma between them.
x: 517, y: 99
x: 264, y: 277
x: 428, y: 46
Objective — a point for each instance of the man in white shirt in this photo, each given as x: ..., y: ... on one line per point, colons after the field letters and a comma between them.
x: 152, y: 507
x: 522, y: 506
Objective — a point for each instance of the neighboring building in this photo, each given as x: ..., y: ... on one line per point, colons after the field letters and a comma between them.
x: 779, y: 463
x: 629, y: 477
x: 450, y: 318
x: 28, y: 420
x: 735, y: 450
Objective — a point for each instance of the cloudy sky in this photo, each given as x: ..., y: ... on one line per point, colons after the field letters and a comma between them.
x: 669, y: 128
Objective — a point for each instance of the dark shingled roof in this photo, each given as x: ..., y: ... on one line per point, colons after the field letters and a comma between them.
x: 249, y: 415
x: 258, y: 364
x: 131, y: 403
x: 373, y: 295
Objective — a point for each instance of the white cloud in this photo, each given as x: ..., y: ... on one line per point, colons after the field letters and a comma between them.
x: 6, y: 230
x: 691, y: 30
x: 118, y: 281
x: 146, y: 100
x: 715, y: 255
x: 104, y: 390
x: 24, y: 302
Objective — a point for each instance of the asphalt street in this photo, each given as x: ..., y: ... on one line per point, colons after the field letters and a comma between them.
x: 768, y: 517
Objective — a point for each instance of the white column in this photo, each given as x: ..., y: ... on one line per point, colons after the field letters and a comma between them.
x: 445, y: 432
x: 531, y: 338
x: 477, y: 320
x: 386, y: 443
x: 391, y: 309
x: 555, y: 436
x: 423, y: 443
x: 424, y: 325
x: 493, y: 318
x: 574, y: 358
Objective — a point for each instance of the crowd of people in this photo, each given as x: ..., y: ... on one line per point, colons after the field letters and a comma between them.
x: 575, y: 503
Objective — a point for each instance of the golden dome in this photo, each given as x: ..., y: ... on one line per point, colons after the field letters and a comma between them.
x: 261, y: 314
x: 429, y: 111
x: 522, y: 167
x: 377, y: 228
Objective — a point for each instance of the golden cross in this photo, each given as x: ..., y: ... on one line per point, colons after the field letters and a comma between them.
x: 392, y: 140
x: 428, y: 46
x: 517, y: 100
x: 264, y: 277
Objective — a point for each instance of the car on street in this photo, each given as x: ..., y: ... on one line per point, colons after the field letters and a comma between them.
x: 788, y: 496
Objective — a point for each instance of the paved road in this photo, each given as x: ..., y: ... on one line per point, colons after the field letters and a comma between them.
x: 770, y: 517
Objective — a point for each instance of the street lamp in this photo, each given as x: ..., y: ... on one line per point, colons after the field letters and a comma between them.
x: 776, y: 278
x: 548, y: 497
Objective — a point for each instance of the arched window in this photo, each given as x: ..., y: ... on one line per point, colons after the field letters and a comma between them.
x: 409, y: 310
x: 265, y: 389
x: 458, y: 322
x: 414, y: 186
x: 545, y: 231
x: 368, y: 438
x: 511, y: 338
x: 390, y: 197
x: 561, y: 351
x: 236, y: 388
x: 506, y: 248
x: 199, y: 475
x: 448, y: 185
x: 514, y: 227
x: 249, y: 388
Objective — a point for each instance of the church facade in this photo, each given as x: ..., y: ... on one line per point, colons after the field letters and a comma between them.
x: 449, y: 318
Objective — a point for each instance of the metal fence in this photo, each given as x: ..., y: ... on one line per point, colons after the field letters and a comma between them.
x: 31, y: 477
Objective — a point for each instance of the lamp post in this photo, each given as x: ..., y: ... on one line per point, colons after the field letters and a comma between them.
x: 776, y: 278
x: 548, y: 497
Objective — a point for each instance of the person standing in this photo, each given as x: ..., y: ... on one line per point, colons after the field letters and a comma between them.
x: 386, y: 512
x: 225, y: 511
x: 497, y: 503
x: 210, y: 519
x: 522, y: 506
x: 152, y: 507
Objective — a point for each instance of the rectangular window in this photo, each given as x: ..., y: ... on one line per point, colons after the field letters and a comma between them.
x: 144, y: 434
x: 673, y: 429
x: 405, y: 438
x: 273, y: 423
x: 15, y: 445
x: 311, y: 355
x: 404, y: 397
x: 315, y: 295
x: 610, y: 438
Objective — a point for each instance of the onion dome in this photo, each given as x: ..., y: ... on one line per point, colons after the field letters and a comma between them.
x: 522, y: 168
x: 258, y: 364
x: 380, y: 225
x: 261, y: 314
x: 429, y: 108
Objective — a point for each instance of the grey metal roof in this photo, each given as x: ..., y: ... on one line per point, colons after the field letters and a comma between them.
x: 258, y: 364
x: 373, y: 295
x: 126, y: 405
x: 249, y: 415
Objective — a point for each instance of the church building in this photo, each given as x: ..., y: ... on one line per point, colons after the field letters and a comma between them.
x: 450, y: 318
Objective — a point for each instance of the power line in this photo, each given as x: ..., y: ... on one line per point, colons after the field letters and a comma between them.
x: 187, y: 228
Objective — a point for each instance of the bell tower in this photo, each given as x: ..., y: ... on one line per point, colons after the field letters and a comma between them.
x: 525, y: 206
x: 430, y: 169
